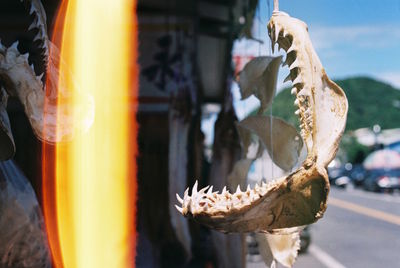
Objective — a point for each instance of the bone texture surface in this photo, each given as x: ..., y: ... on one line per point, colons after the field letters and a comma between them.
x: 299, y: 198
x: 20, y: 80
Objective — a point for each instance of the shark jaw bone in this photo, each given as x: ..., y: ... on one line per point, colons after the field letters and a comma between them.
x: 322, y: 105
x: 296, y: 200
x: 40, y: 105
x: 300, y: 198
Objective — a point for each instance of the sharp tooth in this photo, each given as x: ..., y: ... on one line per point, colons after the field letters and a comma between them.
x: 40, y: 22
x: 202, y: 191
x: 179, y: 198
x: 39, y: 36
x: 34, y: 24
x: 15, y: 45
x: 272, y: 33
x: 296, y: 102
x: 293, y: 91
x: 290, y: 49
x: 223, y: 190
x: 39, y: 77
x: 276, y: 33
x: 248, y: 188
x: 44, y: 46
x: 32, y: 9
x: 302, y: 92
x: 238, y: 189
x: 25, y: 56
x: 272, y: 43
x: 46, y: 55
x: 287, y: 79
x: 297, y: 80
x: 179, y: 209
x: 286, y: 62
x: 186, y: 194
x: 209, y: 192
x: 194, y: 190
x: 272, y: 37
x: 294, y: 64
x: 297, y: 112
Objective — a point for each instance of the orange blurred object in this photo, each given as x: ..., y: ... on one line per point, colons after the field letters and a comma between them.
x: 90, y: 182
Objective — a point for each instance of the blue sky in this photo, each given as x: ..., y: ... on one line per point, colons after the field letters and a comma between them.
x: 351, y: 37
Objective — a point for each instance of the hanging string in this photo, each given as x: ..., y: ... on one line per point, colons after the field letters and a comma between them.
x: 259, y: 28
x: 259, y: 54
x: 270, y: 110
x: 276, y: 5
x: 269, y: 15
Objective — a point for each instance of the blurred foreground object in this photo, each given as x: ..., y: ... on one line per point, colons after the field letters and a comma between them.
x: 41, y: 100
x: 22, y: 234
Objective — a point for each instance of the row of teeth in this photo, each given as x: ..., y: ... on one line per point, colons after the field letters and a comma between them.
x: 41, y: 36
x: 13, y: 49
x: 280, y: 37
x: 207, y: 201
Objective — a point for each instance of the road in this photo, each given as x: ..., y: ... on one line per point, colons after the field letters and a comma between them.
x: 359, y: 229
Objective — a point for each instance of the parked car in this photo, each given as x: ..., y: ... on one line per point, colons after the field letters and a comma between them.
x: 340, y: 176
x: 382, y: 180
x: 394, y: 146
x: 357, y: 174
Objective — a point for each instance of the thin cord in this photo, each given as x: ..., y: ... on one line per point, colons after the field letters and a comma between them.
x: 259, y: 54
x: 269, y: 14
x: 270, y: 110
x: 259, y: 28
x: 276, y: 5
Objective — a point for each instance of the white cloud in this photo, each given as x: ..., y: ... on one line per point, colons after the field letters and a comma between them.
x: 367, y: 49
x: 364, y: 36
x: 392, y: 78
x: 328, y: 37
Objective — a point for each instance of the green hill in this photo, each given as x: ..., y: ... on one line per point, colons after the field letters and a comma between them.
x: 370, y: 102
